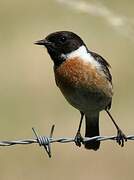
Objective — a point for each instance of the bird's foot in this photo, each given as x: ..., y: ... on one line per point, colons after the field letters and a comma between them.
x: 121, y: 137
x: 78, y: 139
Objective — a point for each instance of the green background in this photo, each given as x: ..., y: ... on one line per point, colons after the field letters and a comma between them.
x: 29, y: 96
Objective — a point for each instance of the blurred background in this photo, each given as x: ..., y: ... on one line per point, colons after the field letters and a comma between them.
x: 29, y: 97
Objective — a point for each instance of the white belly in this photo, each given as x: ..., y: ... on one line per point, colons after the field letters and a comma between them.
x: 87, y: 101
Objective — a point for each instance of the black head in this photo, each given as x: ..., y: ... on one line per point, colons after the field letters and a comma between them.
x: 60, y: 43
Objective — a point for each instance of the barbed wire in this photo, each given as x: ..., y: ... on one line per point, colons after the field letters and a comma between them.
x: 46, y: 141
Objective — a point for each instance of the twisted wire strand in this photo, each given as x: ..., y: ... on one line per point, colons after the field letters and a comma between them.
x: 46, y: 141
x: 59, y: 140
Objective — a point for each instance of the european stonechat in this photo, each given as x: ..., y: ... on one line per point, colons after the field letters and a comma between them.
x: 85, y: 81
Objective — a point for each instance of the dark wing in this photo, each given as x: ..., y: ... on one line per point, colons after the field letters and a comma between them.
x: 105, y: 65
x: 109, y: 105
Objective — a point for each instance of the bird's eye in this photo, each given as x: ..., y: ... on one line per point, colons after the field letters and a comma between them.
x: 63, y: 39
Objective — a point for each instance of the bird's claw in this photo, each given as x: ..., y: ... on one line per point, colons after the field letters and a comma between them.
x: 121, y: 137
x: 78, y: 139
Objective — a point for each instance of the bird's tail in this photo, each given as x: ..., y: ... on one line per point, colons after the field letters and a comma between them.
x: 92, y: 129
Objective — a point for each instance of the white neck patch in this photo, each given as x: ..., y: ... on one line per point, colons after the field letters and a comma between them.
x: 83, y: 55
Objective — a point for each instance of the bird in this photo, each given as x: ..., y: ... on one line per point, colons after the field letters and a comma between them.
x: 85, y: 80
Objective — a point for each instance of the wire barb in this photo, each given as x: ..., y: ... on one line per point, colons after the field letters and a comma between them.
x: 46, y: 141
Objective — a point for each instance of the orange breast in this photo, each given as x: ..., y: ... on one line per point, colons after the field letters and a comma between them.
x: 76, y: 73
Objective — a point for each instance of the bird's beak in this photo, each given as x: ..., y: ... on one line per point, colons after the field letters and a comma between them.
x: 40, y: 42
x: 43, y: 42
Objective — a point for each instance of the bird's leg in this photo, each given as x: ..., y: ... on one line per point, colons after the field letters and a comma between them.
x: 78, y: 137
x: 121, y: 137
